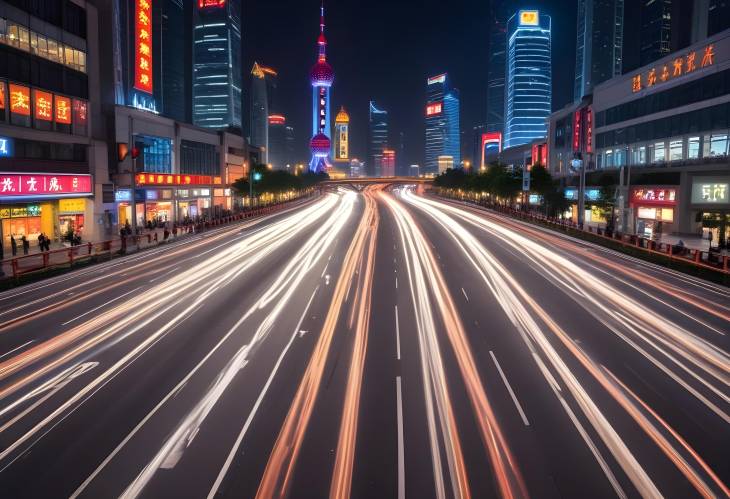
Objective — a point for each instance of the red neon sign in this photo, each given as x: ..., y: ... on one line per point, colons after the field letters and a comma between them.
x: 277, y: 119
x: 52, y: 184
x: 176, y: 180
x: 576, y: 131
x: 143, y: 45
x: 202, y: 4
x: 43, y: 105
x: 19, y: 100
x: 589, y: 130
x: 641, y: 195
x: 434, y: 108
x: 2, y: 95
x: 63, y: 109
x: 489, y: 139
x: 80, y: 112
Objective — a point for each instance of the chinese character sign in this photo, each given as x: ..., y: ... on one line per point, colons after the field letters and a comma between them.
x: 167, y: 179
x: 52, y: 184
x: 80, y: 112
x: 675, y: 68
x: 143, y: 46
x: 710, y: 192
x: 43, y: 105
x: 2, y: 95
x: 20, y: 100
x: 63, y: 109
x: 654, y: 196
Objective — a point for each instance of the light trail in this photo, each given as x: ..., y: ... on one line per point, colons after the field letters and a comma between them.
x: 341, y: 484
x: 278, y: 473
x: 506, y: 470
x: 593, y: 295
x: 132, y: 316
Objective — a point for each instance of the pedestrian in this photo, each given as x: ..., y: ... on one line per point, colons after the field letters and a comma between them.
x: 166, y: 234
x: 41, y: 242
x: 26, y: 244
x: 13, y: 245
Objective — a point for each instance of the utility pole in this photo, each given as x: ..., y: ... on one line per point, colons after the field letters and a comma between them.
x: 133, y: 183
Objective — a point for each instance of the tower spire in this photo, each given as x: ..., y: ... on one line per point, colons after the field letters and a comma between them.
x: 322, y: 41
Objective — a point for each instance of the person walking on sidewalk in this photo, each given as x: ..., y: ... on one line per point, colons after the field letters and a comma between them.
x: 26, y: 244
x: 42, y: 242
x: 13, y: 245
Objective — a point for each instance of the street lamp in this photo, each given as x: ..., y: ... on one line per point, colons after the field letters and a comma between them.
x: 578, y: 164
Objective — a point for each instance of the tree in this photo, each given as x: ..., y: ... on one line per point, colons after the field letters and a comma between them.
x: 606, y: 201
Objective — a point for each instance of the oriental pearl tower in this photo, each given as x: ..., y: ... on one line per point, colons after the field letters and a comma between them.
x: 322, y: 77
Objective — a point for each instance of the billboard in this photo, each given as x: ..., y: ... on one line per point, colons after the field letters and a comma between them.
x: 529, y: 18
x: 44, y: 185
x: 434, y: 108
x: 143, y: 45
x: 437, y: 79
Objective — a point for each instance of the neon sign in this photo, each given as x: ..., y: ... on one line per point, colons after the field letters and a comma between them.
x: 19, y: 100
x: 490, y: 140
x: 673, y: 69
x: 52, y: 184
x: 63, y: 109
x: 203, y: 4
x: 143, y: 46
x: 277, y: 119
x: 654, y: 196
x: 43, y: 105
x: 6, y: 147
x: 576, y: 131
x: 529, y: 18
x: 437, y: 79
x: 168, y: 179
x: 434, y: 108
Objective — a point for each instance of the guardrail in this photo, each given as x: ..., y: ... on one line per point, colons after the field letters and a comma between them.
x: 36, y: 262
x: 711, y: 260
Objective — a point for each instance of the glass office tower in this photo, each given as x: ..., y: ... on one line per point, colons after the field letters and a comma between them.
x: 528, y: 82
x: 217, y: 74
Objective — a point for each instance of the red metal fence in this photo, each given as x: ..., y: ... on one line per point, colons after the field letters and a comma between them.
x: 712, y: 260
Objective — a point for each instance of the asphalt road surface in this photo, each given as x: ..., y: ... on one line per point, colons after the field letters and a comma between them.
x: 372, y: 344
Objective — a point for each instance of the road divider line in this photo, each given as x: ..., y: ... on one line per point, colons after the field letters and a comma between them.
x: 509, y: 389
x: 100, y: 306
x: 16, y: 348
x: 401, y: 449
x: 397, y: 333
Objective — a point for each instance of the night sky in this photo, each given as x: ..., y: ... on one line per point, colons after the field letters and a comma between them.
x: 384, y: 50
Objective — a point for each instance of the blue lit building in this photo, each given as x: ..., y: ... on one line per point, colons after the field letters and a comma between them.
x: 322, y: 77
x: 528, y: 78
x: 442, y: 122
x: 377, y: 139
x: 217, y: 74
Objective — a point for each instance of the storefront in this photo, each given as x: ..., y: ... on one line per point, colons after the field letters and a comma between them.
x: 654, y: 210
x: 593, y: 213
x: 711, y: 205
x: 31, y: 204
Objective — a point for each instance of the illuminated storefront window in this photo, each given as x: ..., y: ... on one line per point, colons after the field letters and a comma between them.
x: 20, y: 37
x: 718, y: 145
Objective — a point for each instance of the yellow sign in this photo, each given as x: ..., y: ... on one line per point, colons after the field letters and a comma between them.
x: 529, y: 17
x: 73, y: 205
x: 673, y: 69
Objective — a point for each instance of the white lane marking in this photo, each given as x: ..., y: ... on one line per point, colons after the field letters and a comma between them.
x: 401, y: 452
x: 396, y: 283
x: 165, y: 274
x: 100, y: 306
x: 247, y: 424
x: 397, y: 333
x: 324, y: 270
x: 16, y: 348
x: 462, y: 290
x: 509, y: 389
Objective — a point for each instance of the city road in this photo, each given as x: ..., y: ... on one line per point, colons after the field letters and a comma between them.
x: 375, y: 343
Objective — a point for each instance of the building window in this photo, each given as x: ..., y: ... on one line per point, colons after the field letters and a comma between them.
x: 609, y: 158
x: 718, y: 145
x: 156, y: 154
x: 676, y: 151
x: 20, y: 37
x: 693, y: 148
x: 659, y: 154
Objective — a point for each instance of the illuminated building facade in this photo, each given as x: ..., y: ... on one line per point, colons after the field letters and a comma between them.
x: 278, y: 143
x: 599, y: 44
x: 172, y: 40
x: 263, y: 94
x: 528, y: 81
x: 387, y: 165
x: 342, y: 136
x: 495, y: 71
x: 377, y: 139
x: 442, y: 122
x: 217, y: 75
x: 322, y: 76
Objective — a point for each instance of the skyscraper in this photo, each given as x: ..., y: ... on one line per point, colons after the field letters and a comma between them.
x: 217, y: 75
x: 377, y: 139
x: 528, y: 80
x: 495, y: 73
x: 322, y: 77
x: 342, y: 136
x: 442, y: 122
x: 263, y: 90
x: 599, y: 44
x: 666, y: 26
x: 277, y: 153
x: 387, y: 166
x: 172, y: 52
